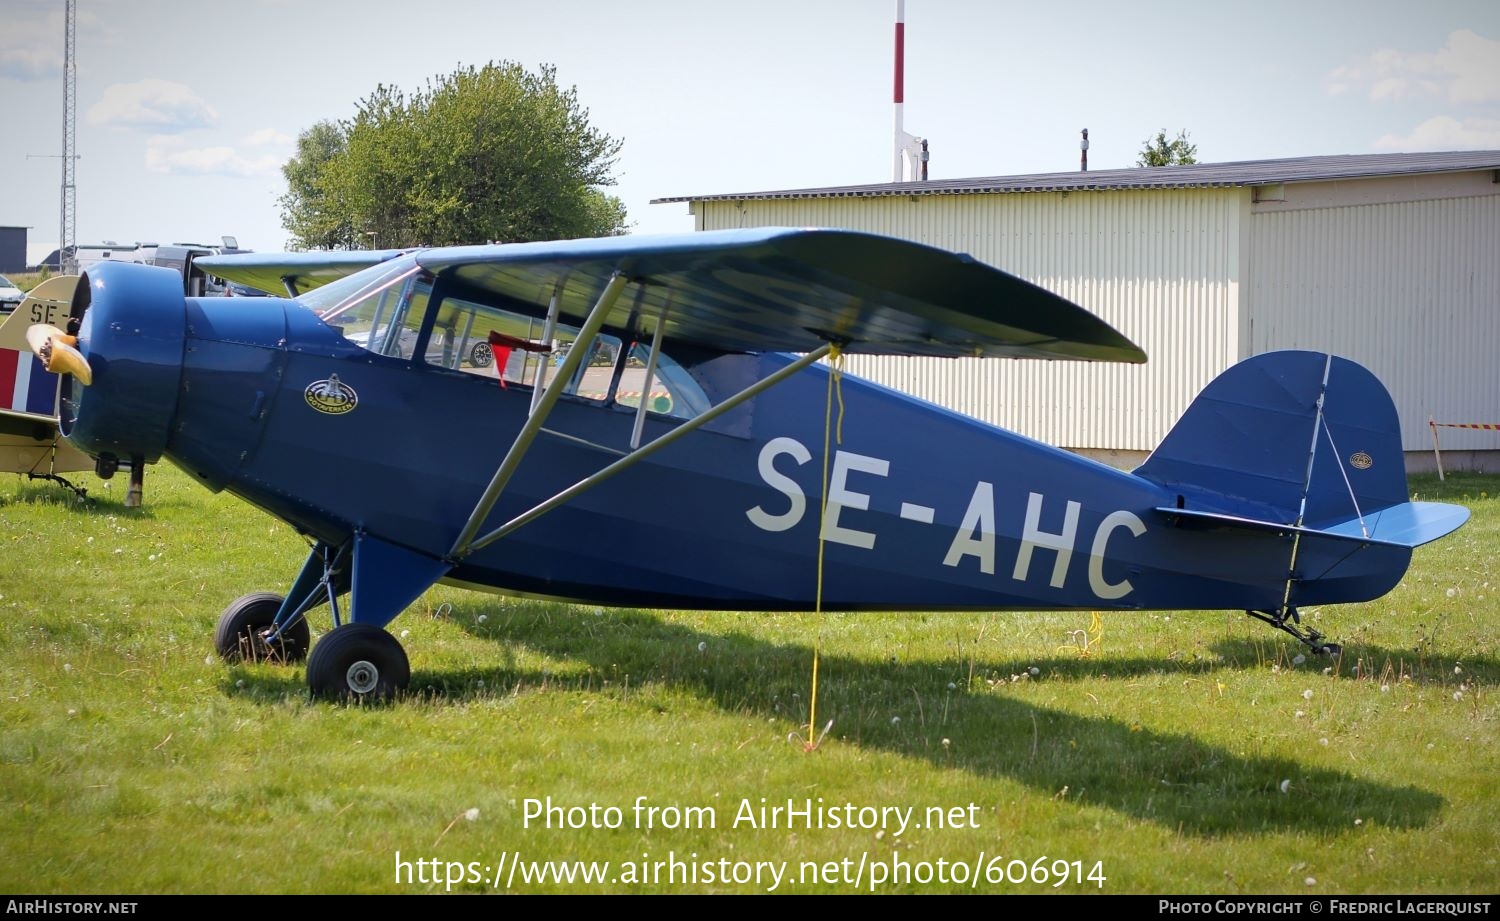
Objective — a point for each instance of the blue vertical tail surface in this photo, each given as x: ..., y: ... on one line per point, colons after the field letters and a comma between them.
x: 1299, y: 439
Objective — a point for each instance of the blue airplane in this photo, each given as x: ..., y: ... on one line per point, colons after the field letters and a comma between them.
x: 642, y: 421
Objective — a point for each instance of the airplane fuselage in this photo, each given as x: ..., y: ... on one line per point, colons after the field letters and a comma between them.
x: 925, y: 509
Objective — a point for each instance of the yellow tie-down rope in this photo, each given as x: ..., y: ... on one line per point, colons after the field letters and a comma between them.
x: 836, y: 432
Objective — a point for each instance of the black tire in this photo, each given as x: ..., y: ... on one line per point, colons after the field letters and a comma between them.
x: 358, y: 662
x: 238, y: 636
x: 481, y: 355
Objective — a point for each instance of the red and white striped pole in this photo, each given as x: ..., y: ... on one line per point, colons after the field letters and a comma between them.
x: 897, y: 171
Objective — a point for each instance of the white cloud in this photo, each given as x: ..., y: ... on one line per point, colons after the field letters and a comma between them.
x: 31, y: 48
x: 1446, y: 133
x: 1465, y: 71
x: 170, y: 155
x: 269, y: 137
x: 155, y: 105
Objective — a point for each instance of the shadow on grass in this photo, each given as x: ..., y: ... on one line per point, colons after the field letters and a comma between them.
x: 1173, y: 779
x: 1365, y: 662
x: 98, y: 501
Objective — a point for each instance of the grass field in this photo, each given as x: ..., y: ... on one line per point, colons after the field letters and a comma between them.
x: 1186, y: 753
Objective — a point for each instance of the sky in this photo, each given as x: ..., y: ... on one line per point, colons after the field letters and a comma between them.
x: 187, y: 110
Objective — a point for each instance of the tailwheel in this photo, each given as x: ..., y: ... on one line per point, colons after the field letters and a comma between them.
x: 358, y: 662
x: 241, y: 634
x: 1290, y: 622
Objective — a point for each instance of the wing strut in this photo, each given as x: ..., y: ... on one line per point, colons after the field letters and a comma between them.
x: 549, y: 331
x: 640, y: 411
x: 463, y: 545
x: 587, y: 483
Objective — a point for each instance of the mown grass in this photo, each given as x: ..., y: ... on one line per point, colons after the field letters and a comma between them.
x: 132, y: 761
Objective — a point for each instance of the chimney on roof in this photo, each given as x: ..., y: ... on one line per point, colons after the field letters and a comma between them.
x: 1083, y: 151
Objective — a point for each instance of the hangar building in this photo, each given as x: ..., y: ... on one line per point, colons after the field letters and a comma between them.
x: 1392, y: 260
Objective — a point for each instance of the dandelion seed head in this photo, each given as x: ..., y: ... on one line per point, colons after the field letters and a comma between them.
x: 1286, y: 786
x: 1310, y: 881
x: 483, y: 618
x: 1307, y: 694
x: 952, y: 686
x: 67, y: 667
x: 1034, y: 671
x: 1385, y: 689
x: 703, y: 646
x: 1299, y: 714
x: 1298, y: 659
x: 895, y: 720
x: 405, y: 634
x: 472, y: 815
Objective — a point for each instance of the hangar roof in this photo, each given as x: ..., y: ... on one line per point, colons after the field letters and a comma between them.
x: 1194, y: 176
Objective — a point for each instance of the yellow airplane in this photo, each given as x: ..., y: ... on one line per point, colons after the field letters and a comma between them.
x: 30, y: 440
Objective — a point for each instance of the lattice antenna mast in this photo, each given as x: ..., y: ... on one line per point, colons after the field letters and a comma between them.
x: 67, y: 225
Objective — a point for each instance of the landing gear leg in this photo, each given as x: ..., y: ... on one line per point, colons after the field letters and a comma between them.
x: 1290, y: 622
x: 358, y: 660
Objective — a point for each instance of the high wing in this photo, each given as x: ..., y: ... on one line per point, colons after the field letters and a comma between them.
x: 293, y: 273
x: 754, y: 290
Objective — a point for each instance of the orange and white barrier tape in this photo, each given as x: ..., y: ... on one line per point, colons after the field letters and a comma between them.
x: 1436, y: 450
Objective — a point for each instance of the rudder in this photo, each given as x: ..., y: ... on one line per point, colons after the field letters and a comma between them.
x: 1282, y: 427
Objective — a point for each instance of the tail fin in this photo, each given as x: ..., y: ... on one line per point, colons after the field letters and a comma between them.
x: 1297, y: 439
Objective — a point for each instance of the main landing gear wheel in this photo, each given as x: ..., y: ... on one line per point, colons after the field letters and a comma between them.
x: 240, y: 634
x: 358, y: 662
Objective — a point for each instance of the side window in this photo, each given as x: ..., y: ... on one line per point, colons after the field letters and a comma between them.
x: 386, y: 322
x: 673, y: 391
x: 490, y: 342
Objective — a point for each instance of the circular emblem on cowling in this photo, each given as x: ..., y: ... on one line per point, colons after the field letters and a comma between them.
x: 331, y: 396
x: 1361, y: 461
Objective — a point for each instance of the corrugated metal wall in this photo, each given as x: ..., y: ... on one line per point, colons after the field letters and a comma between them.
x: 1163, y: 267
x: 1411, y: 290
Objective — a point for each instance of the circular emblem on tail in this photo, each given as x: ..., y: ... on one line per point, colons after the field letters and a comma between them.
x: 1361, y: 461
x: 331, y: 396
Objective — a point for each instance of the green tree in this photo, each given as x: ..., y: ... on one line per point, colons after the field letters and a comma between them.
x: 491, y: 153
x: 314, y: 208
x: 1159, y: 151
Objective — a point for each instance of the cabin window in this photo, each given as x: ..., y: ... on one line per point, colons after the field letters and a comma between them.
x: 386, y: 321
x: 461, y: 341
x: 382, y: 309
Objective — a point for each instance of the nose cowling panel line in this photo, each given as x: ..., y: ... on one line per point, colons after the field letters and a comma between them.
x: 133, y: 336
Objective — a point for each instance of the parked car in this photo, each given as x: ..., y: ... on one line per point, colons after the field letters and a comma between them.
x: 10, y: 295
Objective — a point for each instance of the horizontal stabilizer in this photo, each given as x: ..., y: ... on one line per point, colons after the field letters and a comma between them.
x: 1409, y: 524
